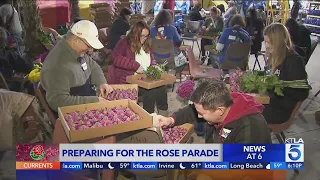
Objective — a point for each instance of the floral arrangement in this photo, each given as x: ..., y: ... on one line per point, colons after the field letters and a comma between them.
x: 34, y: 75
x: 118, y: 94
x: 153, y: 73
x: 173, y: 135
x: 251, y: 82
x: 185, y: 89
x: 100, y: 117
x: 235, y: 81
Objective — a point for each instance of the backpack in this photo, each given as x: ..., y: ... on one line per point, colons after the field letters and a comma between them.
x: 7, y: 24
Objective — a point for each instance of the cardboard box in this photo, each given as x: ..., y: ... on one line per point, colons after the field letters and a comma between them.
x: 78, y: 135
x: 138, y: 16
x: 106, y: 12
x: 106, y: 17
x: 103, y: 24
x: 127, y: 86
x: 190, y: 130
x: 261, y: 98
x: 122, y: 4
x: 150, y: 84
x: 151, y: 135
x: 98, y: 5
x: 97, y: 10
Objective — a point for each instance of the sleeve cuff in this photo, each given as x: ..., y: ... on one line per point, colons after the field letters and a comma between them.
x: 174, y: 121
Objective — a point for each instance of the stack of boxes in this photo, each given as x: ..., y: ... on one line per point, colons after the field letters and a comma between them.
x: 122, y: 4
x: 102, y: 14
x: 137, y: 17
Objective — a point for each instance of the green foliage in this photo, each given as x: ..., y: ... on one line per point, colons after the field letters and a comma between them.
x: 253, y: 83
x: 162, y: 67
x: 153, y: 73
x: 44, y: 38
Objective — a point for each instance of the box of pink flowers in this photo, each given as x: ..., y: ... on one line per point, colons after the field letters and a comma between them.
x: 177, y: 134
x: 87, y: 121
x: 123, y: 91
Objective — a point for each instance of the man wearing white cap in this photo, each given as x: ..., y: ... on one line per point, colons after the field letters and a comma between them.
x: 69, y: 76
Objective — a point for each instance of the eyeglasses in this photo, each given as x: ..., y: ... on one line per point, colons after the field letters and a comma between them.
x: 144, y: 36
x: 86, y: 43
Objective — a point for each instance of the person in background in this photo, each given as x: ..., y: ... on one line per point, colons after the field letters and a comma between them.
x: 195, y: 14
x: 295, y: 9
x: 300, y: 37
x: 162, y: 28
x: 262, y: 14
x: 212, y: 27
x: 222, y: 9
x: 231, y: 117
x: 119, y: 28
x: 11, y: 61
x: 232, y: 7
x: 254, y: 26
x: 132, y: 56
x: 289, y: 66
x: 69, y: 75
x: 10, y: 21
x: 234, y: 34
x: 55, y: 34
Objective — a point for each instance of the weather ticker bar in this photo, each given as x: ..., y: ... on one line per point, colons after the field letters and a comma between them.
x: 180, y: 165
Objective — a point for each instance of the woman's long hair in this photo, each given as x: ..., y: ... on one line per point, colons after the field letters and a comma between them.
x: 134, y: 37
x: 163, y: 18
x: 280, y: 42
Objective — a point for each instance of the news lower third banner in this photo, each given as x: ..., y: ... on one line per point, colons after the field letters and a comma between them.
x: 160, y: 156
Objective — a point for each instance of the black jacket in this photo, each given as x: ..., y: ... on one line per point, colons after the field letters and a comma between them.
x: 195, y: 15
x: 11, y: 61
x: 243, y: 124
x: 118, y: 28
x: 255, y: 28
x: 303, y: 40
x: 280, y: 107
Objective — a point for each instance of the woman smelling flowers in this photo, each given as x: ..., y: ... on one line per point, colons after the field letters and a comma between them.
x: 132, y: 55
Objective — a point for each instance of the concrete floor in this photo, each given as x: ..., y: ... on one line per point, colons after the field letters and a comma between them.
x: 304, y: 127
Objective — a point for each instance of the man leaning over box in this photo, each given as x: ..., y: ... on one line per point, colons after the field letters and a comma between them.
x: 232, y: 117
x: 68, y: 74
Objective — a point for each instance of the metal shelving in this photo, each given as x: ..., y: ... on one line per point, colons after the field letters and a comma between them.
x: 314, y: 5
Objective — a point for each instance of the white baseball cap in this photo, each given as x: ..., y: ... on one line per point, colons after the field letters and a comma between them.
x: 88, y: 31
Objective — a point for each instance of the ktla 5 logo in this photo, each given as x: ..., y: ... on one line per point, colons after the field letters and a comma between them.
x: 294, y: 152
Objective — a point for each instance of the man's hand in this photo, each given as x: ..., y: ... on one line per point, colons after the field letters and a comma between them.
x: 140, y: 70
x: 164, y: 122
x: 101, y: 99
x: 105, y: 89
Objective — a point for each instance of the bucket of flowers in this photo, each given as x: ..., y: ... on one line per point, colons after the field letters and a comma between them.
x: 185, y: 90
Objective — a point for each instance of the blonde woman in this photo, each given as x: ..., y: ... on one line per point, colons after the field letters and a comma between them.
x: 289, y: 66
